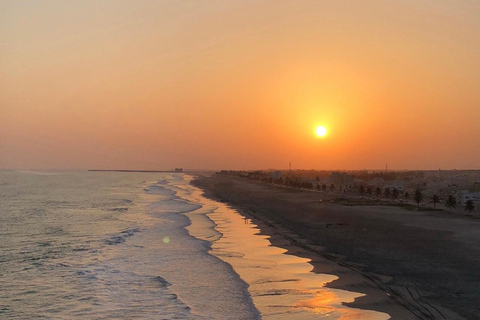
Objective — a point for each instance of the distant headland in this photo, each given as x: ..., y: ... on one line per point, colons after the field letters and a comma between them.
x: 176, y: 170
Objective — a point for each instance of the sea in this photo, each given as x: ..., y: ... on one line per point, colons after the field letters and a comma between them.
x: 113, y: 245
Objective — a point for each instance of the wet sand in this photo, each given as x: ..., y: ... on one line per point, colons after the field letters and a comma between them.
x: 426, y: 265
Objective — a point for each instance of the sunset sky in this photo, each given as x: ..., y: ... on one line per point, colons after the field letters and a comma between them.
x: 240, y: 84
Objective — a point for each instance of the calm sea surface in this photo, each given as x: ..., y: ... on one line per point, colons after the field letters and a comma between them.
x: 92, y: 245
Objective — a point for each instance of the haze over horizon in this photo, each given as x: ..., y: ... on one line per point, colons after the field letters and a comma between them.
x: 240, y: 84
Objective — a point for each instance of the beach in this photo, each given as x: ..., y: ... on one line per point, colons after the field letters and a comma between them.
x: 426, y: 263
x: 149, y: 245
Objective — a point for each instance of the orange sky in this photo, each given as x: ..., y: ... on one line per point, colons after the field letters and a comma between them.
x: 240, y: 84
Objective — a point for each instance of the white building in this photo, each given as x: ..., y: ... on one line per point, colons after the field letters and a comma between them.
x: 466, y: 195
x: 275, y: 175
x: 358, y: 182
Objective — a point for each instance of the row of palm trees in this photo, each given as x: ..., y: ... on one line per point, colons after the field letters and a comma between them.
x: 418, y: 197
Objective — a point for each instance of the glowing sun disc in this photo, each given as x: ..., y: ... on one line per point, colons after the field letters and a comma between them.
x: 321, y: 131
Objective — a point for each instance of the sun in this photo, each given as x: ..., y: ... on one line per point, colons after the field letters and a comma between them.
x: 321, y: 131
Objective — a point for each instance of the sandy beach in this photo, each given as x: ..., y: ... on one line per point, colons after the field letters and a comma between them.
x: 426, y: 264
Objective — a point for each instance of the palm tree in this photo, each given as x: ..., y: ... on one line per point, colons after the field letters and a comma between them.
x: 332, y: 187
x: 361, y: 190
x: 387, y: 193
x: 435, y: 200
x: 369, y: 191
x: 418, y: 196
x: 469, y: 206
x: 378, y: 192
x: 407, y: 195
x: 451, y: 202
x: 395, y: 193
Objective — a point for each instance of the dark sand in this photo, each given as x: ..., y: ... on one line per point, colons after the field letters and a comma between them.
x: 427, y: 262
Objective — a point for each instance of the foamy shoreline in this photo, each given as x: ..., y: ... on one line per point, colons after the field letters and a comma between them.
x: 280, y: 275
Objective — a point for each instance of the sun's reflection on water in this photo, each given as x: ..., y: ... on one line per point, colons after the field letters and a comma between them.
x: 282, y: 285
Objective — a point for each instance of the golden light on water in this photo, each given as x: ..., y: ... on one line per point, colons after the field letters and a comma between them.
x: 321, y: 131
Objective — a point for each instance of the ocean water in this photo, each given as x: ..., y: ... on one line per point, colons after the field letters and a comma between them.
x: 105, y: 245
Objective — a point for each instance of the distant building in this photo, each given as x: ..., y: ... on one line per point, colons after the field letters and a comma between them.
x: 475, y: 187
x: 342, y: 179
x: 466, y: 195
x: 377, y: 182
x: 275, y: 175
x: 178, y: 170
x: 358, y: 182
x: 395, y: 184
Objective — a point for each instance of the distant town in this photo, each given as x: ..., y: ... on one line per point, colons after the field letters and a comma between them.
x: 457, y: 191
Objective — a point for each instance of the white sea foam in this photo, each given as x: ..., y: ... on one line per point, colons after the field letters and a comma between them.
x: 145, y: 246
x: 92, y: 245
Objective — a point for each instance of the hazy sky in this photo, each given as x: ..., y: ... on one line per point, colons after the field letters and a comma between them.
x: 240, y: 84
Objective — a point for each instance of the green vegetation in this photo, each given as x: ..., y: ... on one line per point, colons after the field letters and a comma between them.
x: 435, y: 200
x: 395, y: 193
x: 418, y: 197
x: 387, y: 193
x: 469, y: 206
x: 377, y: 202
x: 451, y: 202
x: 361, y: 190
x: 369, y: 191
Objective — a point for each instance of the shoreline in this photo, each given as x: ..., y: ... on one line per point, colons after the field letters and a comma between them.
x: 331, y: 234
x: 280, y: 274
